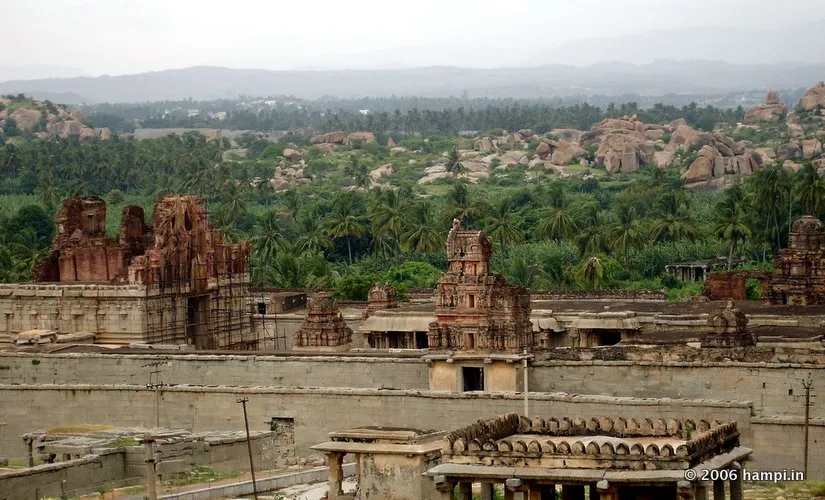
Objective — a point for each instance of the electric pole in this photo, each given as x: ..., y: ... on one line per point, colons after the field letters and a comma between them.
x: 243, y: 402
x: 157, y: 386
x: 807, y: 384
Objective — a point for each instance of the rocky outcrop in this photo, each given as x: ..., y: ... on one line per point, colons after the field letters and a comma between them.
x: 330, y: 138
x: 362, y: 137
x: 811, y: 149
x: 624, y: 144
x: 485, y: 145
x: 789, y: 151
x: 27, y: 119
x: 391, y: 143
x: 772, y: 111
x: 567, y: 152
x: 814, y: 98
x: 382, y: 171
x: 292, y: 155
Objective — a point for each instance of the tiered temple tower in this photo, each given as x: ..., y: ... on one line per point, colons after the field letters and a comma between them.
x: 476, y: 310
x: 799, y: 270
x: 324, y: 328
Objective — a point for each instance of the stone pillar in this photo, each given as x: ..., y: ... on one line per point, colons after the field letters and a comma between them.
x: 572, y: 492
x: 336, y: 473
x: 685, y: 490
x: 606, y: 491
x: 29, y: 452
x: 702, y: 490
x: 513, y: 486
x: 487, y: 491
x: 444, y: 486
x: 719, y: 490
x: 736, y: 482
x: 465, y: 491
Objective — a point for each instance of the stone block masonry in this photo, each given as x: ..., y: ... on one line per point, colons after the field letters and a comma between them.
x: 317, y: 411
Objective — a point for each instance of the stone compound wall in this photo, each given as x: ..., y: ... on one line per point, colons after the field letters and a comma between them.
x: 310, y: 393
x: 232, y: 370
x: 315, y: 412
x: 633, y: 295
x: 772, y: 389
x: 83, y: 475
x: 116, y: 467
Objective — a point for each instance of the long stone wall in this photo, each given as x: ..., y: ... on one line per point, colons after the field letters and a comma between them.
x: 232, y: 370
x: 315, y: 411
x: 774, y: 389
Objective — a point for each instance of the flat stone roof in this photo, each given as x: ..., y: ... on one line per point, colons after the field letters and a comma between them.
x: 592, y: 443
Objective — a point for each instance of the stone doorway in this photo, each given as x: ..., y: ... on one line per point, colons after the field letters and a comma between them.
x: 472, y: 378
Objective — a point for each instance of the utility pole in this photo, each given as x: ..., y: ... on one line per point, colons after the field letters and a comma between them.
x: 150, y: 469
x: 157, y: 386
x: 243, y: 401
x: 526, y: 398
x: 807, y: 384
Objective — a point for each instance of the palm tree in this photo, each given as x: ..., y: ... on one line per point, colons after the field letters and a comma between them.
x: 627, y: 233
x: 810, y: 189
x: 389, y: 215
x: 593, y: 237
x: 503, y: 228
x: 26, y: 250
x: 771, y: 188
x: 460, y: 204
x: 674, y: 222
x: 421, y: 235
x: 313, y: 239
x: 731, y: 220
x: 267, y: 236
x: 453, y: 164
x: 592, y: 274
x: 358, y: 171
x: 520, y: 272
x: 344, y: 223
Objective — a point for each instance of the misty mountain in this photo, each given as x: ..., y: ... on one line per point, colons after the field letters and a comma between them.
x: 738, y: 45
x: 35, y: 71
x: 657, y: 78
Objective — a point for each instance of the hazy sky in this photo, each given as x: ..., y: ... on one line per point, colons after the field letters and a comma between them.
x: 130, y: 36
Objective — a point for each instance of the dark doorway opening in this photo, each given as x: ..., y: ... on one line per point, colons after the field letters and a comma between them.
x: 473, y: 378
x: 607, y: 337
x: 197, y: 328
x: 421, y: 340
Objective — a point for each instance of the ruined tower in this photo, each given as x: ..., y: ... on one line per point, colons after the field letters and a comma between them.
x: 476, y: 310
x: 799, y: 271
x: 324, y: 328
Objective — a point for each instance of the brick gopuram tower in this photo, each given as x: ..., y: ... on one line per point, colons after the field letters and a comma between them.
x: 324, y: 328
x: 476, y: 310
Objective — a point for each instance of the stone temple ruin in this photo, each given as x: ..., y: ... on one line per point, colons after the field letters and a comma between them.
x: 476, y: 310
x: 324, y: 328
x: 799, y: 271
x: 175, y: 282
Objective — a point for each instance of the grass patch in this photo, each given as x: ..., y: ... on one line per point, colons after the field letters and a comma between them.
x: 20, y: 463
x: 201, y: 475
x: 79, y: 429
x: 124, y: 442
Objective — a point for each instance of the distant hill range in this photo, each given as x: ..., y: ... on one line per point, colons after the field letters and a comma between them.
x: 206, y: 83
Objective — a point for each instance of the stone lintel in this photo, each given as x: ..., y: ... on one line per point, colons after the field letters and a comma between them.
x: 379, y: 448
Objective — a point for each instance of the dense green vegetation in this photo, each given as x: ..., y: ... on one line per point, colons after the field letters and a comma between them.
x: 419, y: 116
x: 594, y: 231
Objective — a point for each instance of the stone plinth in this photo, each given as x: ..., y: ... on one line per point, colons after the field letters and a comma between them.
x: 728, y: 328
